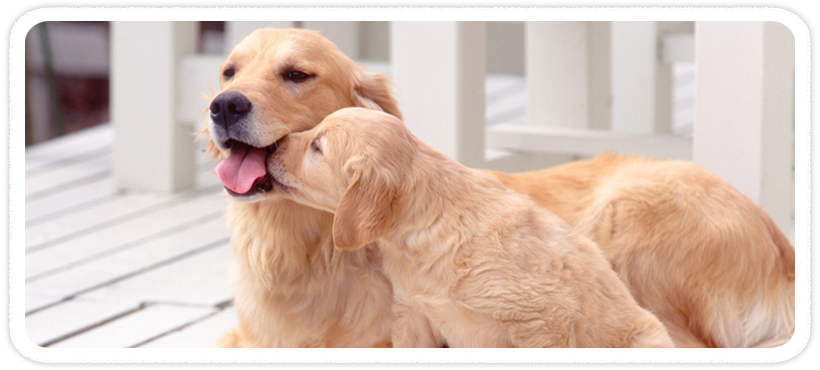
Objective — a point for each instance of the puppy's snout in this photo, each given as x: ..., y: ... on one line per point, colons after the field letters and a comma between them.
x: 229, y: 107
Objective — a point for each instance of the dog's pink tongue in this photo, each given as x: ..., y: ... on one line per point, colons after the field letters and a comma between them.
x: 241, y: 169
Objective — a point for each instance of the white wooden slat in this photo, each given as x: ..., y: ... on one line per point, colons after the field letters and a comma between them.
x: 88, y: 194
x: 202, y: 334
x: 71, y: 198
x: 61, y: 148
x: 506, y: 103
x: 200, y: 279
x: 117, y: 236
x: 55, y: 180
x: 203, y: 278
x: 95, y: 216
x: 588, y: 142
x: 65, y: 283
x: 131, y: 330
x: 51, y: 324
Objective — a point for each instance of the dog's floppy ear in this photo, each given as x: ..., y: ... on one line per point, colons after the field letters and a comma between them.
x: 372, y: 91
x: 366, y: 211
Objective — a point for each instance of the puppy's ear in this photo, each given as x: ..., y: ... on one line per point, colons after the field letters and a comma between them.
x: 372, y: 91
x: 366, y: 211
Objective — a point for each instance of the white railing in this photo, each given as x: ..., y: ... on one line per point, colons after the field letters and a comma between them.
x: 591, y: 87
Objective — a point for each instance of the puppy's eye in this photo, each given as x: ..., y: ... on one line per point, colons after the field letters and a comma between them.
x: 296, y: 76
x: 229, y: 72
x: 314, y: 146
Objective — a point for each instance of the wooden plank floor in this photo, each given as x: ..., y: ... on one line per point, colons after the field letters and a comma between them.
x: 107, y: 268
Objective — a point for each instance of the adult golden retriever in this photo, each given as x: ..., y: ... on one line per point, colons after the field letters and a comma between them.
x: 472, y: 263
x: 707, y: 261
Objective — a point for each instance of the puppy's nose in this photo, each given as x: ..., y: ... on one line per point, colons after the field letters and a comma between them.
x: 229, y: 107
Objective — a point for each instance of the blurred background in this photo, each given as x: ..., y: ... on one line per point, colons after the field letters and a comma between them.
x: 67, y: 75
x: 517, y: 95
x: 68, y: 65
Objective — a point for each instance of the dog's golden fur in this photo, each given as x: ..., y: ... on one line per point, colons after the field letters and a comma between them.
x: 472, y: 263
x: 694, y: 250
x: 291, y: 287
x: 691, y: 249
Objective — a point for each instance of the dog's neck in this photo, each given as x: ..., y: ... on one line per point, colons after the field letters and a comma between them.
x: 277, y: 234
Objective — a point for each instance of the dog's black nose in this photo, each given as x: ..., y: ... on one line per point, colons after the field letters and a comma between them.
x: 229, y: 107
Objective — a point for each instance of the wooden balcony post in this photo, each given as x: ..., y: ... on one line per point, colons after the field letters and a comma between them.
x: 744, y: 110
x: 153, y: 149
x: 438, y: 70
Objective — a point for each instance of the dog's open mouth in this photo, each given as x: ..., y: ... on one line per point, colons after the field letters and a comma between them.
x: 244, y: 172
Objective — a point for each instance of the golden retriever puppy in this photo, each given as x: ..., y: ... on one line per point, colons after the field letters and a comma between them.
x: 472, y: 263
x: 291, y: 287
x: 690, y: 248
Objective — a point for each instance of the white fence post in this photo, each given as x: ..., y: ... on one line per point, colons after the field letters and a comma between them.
x: 153, y: 149
x: 634, y: 70
x: 557, y: 71
x: 744, y: 110
x: 438, y: 69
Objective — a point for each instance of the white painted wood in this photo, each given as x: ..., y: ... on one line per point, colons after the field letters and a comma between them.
x: 202, y: 334
x: 198, y: 84
x: 587, y: 142
x: 92, y: 272
x: 557, y: 71
x: 121, y: 235
x: 152, y: 147
x: 634, y: 71
x: 728, y: 98
x: 678, y: 47
x: 201, y: 279
x: 131, y: 330
x: 51, y: 153
x: 778, y: 187
x: 92, y: 217
x: 205, y: 284
x: 51, y: 324
x: 344, y: 34
x: 441, y: 90
x: 47, y: 182
x: 506, y: 100
x: 683, y: 98
x: 41, y: 208
x: 744, y: 110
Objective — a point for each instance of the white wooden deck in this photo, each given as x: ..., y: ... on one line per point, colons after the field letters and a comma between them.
x: 106, y: 268
x: 113, y: 269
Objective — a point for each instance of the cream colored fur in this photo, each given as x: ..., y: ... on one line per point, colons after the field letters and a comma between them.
x: 664, y: 226
x: 472, y: 263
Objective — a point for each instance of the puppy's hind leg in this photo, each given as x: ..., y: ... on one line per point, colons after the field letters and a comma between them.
x: 648, y: 332
x: 412, y: 329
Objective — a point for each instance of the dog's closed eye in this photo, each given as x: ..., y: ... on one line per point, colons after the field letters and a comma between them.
x: 314, y: 145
